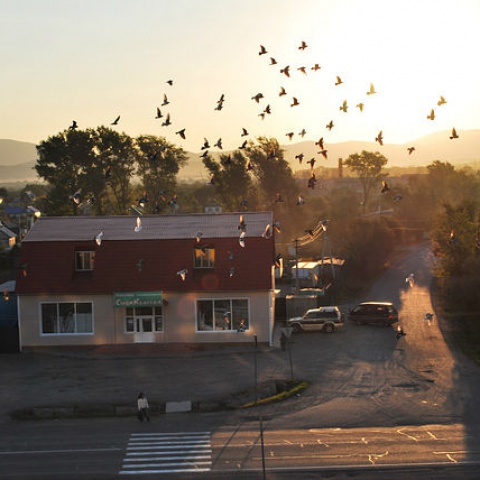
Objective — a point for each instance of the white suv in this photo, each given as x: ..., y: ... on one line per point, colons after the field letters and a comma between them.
x: 326, y: 319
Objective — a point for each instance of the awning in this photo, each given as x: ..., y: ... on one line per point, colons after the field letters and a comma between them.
x: 137, y: 299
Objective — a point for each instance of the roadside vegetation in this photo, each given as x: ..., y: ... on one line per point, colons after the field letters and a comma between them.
x: 371, y: 209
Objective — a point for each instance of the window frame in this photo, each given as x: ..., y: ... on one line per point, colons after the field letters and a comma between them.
x: 84, y: 260
x: 67, y: 326
x: 131, y: 315
x: 204, y: 257
x: 238, y: 315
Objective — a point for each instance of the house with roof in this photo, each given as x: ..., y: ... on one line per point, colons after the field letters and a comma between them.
x: 8, y: 238
x: 196, y: 278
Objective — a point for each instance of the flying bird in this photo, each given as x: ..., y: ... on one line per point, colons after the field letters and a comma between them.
x: 241, y: 239
x: 410, y: 150
x: 300, y: 157
x: 316, y: 67
x: 344, y: 106
x: 385, y: 187
x: 244, y: 132
x: 257, y: 97
x: 205, y: 144
x: 454, y: 134
x: 243, y: 145
x: 339, y: 81
x: 295, y: 102
x: 115, y: 122
x: 143, y: 200
x: 286, y: 70
x: 218, y: 144
x: 73, y: 126
x: 138, y: 225
x: 165, y: 100
x: 302, y: 133
x: 167, y: 121
x: 282, y: 92
x: 272, y: 61
x: 267, y: 233
x: 303, y: 46
x: 198, y: 236
x: 312, y: 163
x: 241, y: 224
x: 263, y: 50
x: 181, y: 133
x: 431, y: 116
x: 182, y: 274
x: 289, y: 135
x: 170, y: 82
x: 302, y: 69
x: 379, y: 137
x: 329, y: 125
x: 371, y: 91
x: 441, y: 101
x: 267, y: 109
x: 159, y: 113
x: 76, y: 197
x: 320, y: 143
x: 98, y: 238
x: 323, y: 153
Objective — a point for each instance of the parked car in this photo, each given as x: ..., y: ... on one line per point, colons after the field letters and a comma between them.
x: 374, y: 313
x: 326, y: 319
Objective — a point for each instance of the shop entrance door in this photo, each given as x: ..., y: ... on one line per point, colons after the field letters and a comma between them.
x: 144, y: 330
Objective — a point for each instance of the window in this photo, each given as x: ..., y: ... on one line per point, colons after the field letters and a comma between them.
x: 143, y: 319
x: 222, y: 315
x: 67, y: 318
x: 84, y: 260
x: 204, y: 257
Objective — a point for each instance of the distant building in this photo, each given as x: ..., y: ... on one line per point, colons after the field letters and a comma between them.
x: 177, y: 279
x: 8, y: 239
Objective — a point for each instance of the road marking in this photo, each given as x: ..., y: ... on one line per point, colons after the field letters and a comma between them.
x: 150, y: 453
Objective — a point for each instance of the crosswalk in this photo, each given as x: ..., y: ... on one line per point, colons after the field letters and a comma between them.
x: 167, y: 452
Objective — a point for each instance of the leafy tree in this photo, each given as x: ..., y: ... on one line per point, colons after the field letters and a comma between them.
x: 158, y: 164
x: 67, y: 162
x: 369, y: 168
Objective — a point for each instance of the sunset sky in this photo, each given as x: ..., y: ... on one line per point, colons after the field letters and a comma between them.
x: 90, y: 61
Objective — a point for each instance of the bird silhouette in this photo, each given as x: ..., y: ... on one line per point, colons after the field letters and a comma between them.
x: 295, y: 102
x: 286, y: 70
x: 165, y: 100
x: 323, y: 153
x: 159, y: 113
x: 115, y: 122
x: 311, y: 162
x: 379, y: 137
x: 329, y: 125
x: 302, y: 133
x: 241, y: 224
x: 205, y: 144
x: 431, y: 116
x: 267, y: 232
x: 371, y: 91
x: 289, y: 135
x: 272, y: 61
x: 344, y: 106
x: 339, y: 81
x: 263, y: 50
x: 138, y: 225
x: 73, y: 126
x: 303, y: 46
x: 268, y: 109
x: 241, y: 239
x: 257, y: 97
x: 76, y: 197
x: 204, y: 154
x: 454, y: 134
x: 218, y: 144
x: 360, y: 106
x: 320, y: 143
x: 282, y: 92
x: 300, y: 157
x: 244, y: 132
x: 302, y: 69
x: 143, y: 200
x: 167, y: 121
x: 170, y: 82
x: 181, y: 133
x: 441, y: 101
x: 316, y: 67
x: 243, y: 145
x: 385, y: 187
x: 410, y: 150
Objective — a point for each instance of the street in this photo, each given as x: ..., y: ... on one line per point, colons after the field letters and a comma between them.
x: 374, y: 403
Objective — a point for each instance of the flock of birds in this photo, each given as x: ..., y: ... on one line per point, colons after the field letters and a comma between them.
x: 260, y: 98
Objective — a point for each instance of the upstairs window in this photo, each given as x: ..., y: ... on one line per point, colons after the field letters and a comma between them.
x: 84, y: 260
x: 204, y: 257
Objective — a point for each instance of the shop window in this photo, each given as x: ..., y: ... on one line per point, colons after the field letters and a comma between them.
x: 66, y: 318
x: 222, y: 315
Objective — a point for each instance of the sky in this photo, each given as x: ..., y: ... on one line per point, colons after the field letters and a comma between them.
x: 90, y: 61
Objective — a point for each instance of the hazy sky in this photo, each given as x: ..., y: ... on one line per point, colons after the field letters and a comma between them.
x: 90, y: 61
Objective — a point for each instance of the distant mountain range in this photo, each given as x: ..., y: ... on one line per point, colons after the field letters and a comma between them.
x: 17, y: 159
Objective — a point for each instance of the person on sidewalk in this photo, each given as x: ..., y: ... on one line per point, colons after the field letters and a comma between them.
x: 142, y: 404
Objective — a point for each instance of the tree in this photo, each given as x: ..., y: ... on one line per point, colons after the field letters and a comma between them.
x: 158, y: 164
x: 369, y: 168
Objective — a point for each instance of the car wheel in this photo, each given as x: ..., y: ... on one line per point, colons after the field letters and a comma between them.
x: 328, y: 328
x: 296, y: 328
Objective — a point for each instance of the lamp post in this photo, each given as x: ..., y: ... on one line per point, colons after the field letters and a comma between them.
x: 260, y: 420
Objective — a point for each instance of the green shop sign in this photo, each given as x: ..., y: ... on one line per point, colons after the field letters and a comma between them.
x: 137, y: 299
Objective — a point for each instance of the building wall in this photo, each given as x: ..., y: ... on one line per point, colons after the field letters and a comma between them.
x: 179, y: 320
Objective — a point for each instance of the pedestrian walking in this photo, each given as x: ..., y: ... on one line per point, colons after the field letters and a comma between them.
x: 143, y: 407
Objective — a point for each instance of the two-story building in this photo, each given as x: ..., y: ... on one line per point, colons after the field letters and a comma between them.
x: 197, y: 278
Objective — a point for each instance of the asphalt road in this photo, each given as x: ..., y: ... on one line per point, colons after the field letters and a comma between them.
x: 376, y: 407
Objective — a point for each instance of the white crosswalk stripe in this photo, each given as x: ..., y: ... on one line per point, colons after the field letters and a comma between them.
x: 167, y: 452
